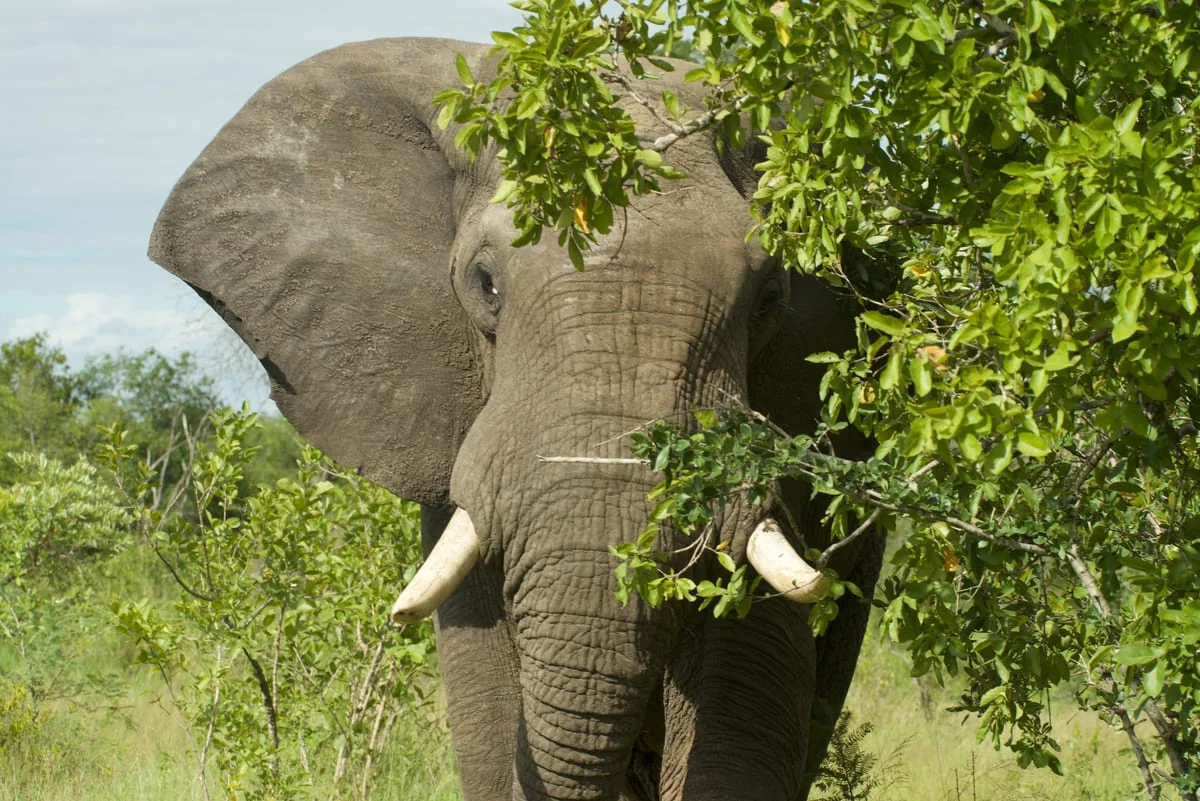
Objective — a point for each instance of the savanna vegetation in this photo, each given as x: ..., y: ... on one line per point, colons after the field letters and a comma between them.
x: 192, y: 605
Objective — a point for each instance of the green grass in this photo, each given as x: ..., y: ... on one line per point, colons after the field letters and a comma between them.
x: 130, y: 745
x: 140, y: 753
x: 936, y: 757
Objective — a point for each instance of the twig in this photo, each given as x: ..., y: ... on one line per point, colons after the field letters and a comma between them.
x: 627, y: 85
x: 178, y: 580
x: 875, y: 499
x: 922, y: 470
x: 212, y: 721
x: 693, y: 125
x: 268, y: 700
x: 1089, y: 582
x: 592, y: 460
x: 373, y: 743
x: 677, y: 131
x: 827, y: 554
x: 1139, y: 752
x: 1167, y: 732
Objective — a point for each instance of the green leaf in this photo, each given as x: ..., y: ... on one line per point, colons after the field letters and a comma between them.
x: 1125, y: 121
x: 1152, y: 680
x: 1060, y: 359
x: 1135, y: 655
x: 661, y: 459
x: 742, y: 23
x: 575, y: 254
x: 464, y: 71
x: 671, y: 102
x: 505, y: 191
x: 921, y: 375
x: 1032, y: 444
x: 892, y: 326
x: 968, y: 445
x: 651, y: 158
x: 890, y: 377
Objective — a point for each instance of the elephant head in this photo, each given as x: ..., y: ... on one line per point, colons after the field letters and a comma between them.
x: 338, y: 231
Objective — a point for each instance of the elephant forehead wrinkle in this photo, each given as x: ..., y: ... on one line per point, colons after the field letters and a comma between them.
x: 626, y: 287
x: 626, y: 351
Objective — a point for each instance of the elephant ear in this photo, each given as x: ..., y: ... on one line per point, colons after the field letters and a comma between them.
x: 319, y: 224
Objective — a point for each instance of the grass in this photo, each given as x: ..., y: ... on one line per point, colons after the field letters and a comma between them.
x: 130, y: 746
x: 936, y: 757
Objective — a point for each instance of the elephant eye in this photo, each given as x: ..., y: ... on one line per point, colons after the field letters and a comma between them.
x: 478, y: 290
x: 770, y: 299
x: 486, y: 285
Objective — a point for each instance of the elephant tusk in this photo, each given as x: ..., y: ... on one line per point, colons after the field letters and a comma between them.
x: 778, y: 563
x: 448, y: 564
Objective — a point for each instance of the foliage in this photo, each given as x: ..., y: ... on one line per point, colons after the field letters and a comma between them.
x: 733, y: 454
x: 151, y: 389
x: 57, y: 514
x: 850, y: 772
x: 156, y: 400
x: 290, y: 576
x: 38, y: 401
x: 1029, y: 376
x: 55, y: 521
x: 17, y: 715
x: 287, y: 669
x: 46, y: 407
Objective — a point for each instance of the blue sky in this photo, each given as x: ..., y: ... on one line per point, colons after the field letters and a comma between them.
x: 103, y: 104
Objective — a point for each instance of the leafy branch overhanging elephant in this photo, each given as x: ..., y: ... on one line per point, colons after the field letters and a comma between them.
x: 335, y: 227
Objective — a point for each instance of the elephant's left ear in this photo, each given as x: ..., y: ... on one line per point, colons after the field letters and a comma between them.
x: 319, y: 223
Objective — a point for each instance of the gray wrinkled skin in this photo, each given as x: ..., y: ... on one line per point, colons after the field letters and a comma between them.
x: 340, y: 234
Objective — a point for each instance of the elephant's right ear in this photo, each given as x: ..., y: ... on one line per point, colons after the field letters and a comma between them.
x: 319, y: 224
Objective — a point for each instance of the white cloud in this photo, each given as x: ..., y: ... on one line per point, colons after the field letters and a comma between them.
x: 96, y: 323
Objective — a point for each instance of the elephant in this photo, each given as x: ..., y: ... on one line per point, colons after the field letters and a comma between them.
x: 336, y: 228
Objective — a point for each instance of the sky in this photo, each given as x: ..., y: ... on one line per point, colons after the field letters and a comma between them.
x: 103, y: 105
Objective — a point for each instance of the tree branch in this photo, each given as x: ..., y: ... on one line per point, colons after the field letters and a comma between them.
x: 202, y: 768
x: 828, y: 553
x: 1089, y: 582
x: 1138, y: 751
x: 268, y: 700
x: 677, y: 130
x: 876, y: 499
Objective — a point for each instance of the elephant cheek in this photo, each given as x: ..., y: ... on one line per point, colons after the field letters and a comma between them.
x: 589, y: 668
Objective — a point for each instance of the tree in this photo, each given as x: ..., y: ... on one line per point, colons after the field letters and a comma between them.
x: 156, y: 400
x: 56, y: 521
x: 39, y: 401
x: 1010, y: 190
x: 277, y: 650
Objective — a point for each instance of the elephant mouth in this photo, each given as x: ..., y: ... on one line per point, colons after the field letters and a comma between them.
x: 457, y: 551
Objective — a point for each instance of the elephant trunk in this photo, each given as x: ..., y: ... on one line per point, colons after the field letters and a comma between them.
x: 589, y: 666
